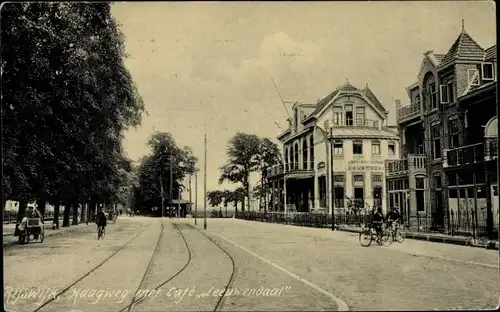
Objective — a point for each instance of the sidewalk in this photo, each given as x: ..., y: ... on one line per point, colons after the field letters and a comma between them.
x: 432, y: 237
x: 10, y: 239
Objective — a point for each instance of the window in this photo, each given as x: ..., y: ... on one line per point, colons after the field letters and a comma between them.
x: 296, y: 156
x: 338, y: 148
x: 304, y: 155
x: 339, y: 197
x: 311, y: 152
x: 437, y: 182
x: 473, y: 76
x: 338, y: 178
x: 487, y: 69
x: 392, y: 149
x: 435, y: 141
x: 377, y: 196
x: 453, y: 132
x: 359, y: 193
x: 420, y: 194
x: 322, y: 191
x: 358, y: 178
x: 444, y: 94
x: 432, y: 95
x: 287, y: 154
x: 337, y: 115
x: 376, y: 177
x: 375, y: 148
x: 417, y: 100
x: 360, y: 116
x: 348, y: 115
x: 451, y: 93
x: 452, y: 178
x: 357, y: 148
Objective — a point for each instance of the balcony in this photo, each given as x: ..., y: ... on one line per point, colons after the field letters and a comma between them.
x: 408, y: 112
x: 414, y: 163
x: 471, y: 154
x: 397, y: 167
x: 465, y: 155
x: 348, y: 122
x: 275, y: 171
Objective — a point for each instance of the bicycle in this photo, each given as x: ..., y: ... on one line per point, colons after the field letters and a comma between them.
x: 368, y: 235
x: 396, y: 234
x: 101, y: 231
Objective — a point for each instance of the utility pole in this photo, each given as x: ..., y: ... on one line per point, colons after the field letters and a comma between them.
x: 205, y: 188
x: 171, y: 188
x: 195, y: 195
x: 162, y: 197
x: 190, y: 197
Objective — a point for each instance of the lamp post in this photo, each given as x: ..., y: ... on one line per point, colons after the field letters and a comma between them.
x: 329, y: 165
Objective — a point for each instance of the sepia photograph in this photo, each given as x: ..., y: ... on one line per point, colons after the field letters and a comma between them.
x: 250, y: 156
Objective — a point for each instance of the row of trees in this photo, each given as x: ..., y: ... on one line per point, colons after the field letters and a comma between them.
x: 67, y: 99
x: 160, y: 175
x: 247, y: 154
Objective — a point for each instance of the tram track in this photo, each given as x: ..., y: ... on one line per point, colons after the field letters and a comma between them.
x: 137, y: 301
x: 67, y: 288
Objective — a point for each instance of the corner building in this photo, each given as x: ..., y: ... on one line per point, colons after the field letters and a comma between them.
x: 448, y: 170
x: 334, y: 151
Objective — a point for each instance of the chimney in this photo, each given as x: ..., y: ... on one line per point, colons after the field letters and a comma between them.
x: 398, y: 104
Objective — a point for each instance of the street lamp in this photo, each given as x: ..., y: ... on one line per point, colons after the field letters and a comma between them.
x: 329, y: 164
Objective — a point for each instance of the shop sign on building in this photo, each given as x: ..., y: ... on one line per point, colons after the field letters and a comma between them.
x: 366, y: 165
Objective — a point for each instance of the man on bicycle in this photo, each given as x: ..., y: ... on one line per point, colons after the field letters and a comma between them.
x: 101, y: 220
x: 393, y: 218
x: 377, y: 222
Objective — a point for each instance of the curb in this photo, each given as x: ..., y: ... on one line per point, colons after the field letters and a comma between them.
x: 437, y: 239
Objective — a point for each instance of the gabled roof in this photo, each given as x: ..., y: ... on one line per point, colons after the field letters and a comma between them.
x: 464, y: 48
x: 322, y: 103
x: 347, y: 87
x: 369, y: 94
x: 491, y: 54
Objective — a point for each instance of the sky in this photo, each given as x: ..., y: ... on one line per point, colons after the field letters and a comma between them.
x: 206, y: 67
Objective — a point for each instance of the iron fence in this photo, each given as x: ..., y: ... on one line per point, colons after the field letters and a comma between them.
x: 463, y: 225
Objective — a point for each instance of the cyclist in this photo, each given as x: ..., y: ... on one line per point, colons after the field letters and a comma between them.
x: 378, y: 221
x: 393, y: 218
x: 101, y: 220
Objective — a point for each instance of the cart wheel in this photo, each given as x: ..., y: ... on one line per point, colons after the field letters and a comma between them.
x: 41, y: 237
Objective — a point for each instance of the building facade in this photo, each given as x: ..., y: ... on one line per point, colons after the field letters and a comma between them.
x: 448, y: 169
x: 334, y: 153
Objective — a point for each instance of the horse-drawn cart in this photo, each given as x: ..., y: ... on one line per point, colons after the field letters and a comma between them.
x: 31, y: 225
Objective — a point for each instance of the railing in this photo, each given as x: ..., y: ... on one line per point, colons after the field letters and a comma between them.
x: 465, y: 155
x: 275, y: 170
x: 491, y: 148
x: 418, y: 161
x: 348, y: 122
x: 409, y: 111
x: 397, y: 166
x: 296, y: 166
x: 458, y: 225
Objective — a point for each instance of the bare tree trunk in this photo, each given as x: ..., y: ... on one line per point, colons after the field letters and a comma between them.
x: 57, y: 207
x: 66, y: 215
x: 83, y: 214
x: 75, y: 214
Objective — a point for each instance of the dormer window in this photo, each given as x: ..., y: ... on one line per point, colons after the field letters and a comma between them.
x: 473, y: 77
x: 488, y: 71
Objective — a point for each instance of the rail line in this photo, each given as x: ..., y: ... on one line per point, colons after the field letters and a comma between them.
x: 90, y: 271
x: 148, y: 268
x: 135, y: 302
x: 231, y: 278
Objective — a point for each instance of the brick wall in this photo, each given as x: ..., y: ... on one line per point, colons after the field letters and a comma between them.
x: 462, y: 78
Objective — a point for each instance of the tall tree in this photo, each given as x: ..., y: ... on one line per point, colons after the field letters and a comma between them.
x: 243, y: 159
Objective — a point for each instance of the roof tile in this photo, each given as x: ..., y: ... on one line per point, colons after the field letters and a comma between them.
x: 464, y: 48
x: 369, y: 94
x: 491, y: 54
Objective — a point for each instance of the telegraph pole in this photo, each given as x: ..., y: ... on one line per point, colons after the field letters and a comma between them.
x: 171, y: 188
x: 205, y: 188
x: 195, y: 195
x: 190, y: 197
